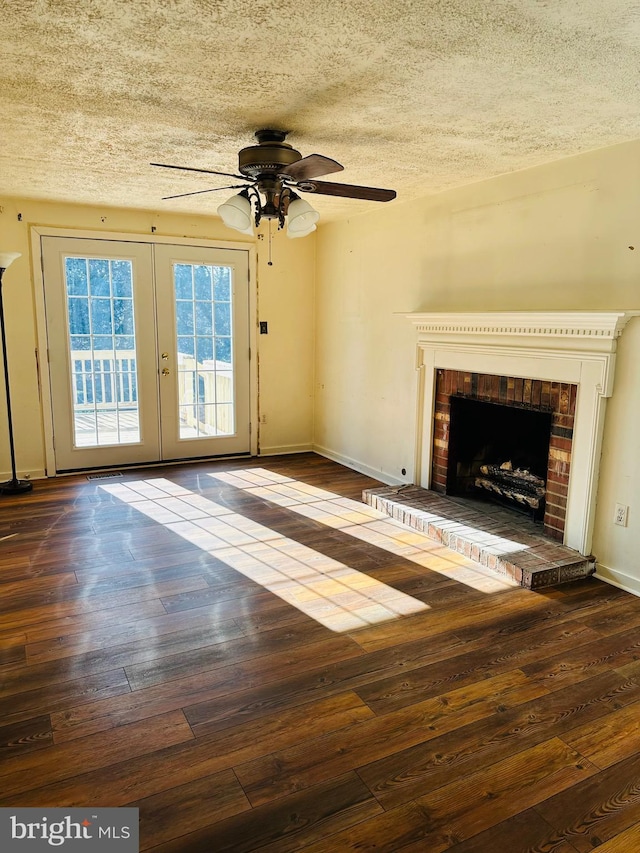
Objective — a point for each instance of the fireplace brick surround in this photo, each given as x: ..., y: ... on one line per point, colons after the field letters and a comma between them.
x: 560, y: 397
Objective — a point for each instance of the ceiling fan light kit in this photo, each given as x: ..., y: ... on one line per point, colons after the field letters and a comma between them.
x: 274, y: 172
x: 236, y: 212
x: 301, y: 217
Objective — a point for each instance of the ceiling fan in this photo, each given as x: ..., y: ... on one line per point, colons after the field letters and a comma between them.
x: 273, y: 169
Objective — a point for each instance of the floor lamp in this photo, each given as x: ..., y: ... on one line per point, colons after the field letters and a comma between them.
x: 13, y: 486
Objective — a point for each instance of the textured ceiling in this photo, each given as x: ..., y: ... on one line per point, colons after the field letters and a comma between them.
x: 416, y: 95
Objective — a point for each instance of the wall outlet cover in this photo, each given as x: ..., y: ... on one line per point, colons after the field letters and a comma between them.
x: 620, y: 515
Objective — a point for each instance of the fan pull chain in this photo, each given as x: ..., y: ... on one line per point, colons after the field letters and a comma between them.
x: 270, y: 262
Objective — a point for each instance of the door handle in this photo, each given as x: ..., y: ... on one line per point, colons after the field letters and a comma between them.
x: 165, y: 371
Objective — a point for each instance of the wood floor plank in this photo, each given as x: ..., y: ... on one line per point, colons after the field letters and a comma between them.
x: 508, y: 624
x: 292, y: 689
x: 201, y: 561
x: 138, y: 653
x: 138, y: 669
x: 611, y: 740
x: 571, y: 665
x: 584, y: 601
x: 164, y: 543
x: 60, y: 696
x: 526, y: 832
x: 389, y: 832
x: 25, y: 736
x: 187, y: 761
x: 429, y: 624
x: 434, y: 589
x: 82, y: 603
x: 518, y: 651
x: 313, y: 761
x: 419, y: 827
x: 178, y: 635
x: 38, y: 591
x: 467, y: 807
x: 287, y: 824
x: 260, y: 620
x: 185, y: 809
x: 15, y: 568
x: 200, y: 689
x: 624, y: 843
x: 234, y: 605
x: 13, y: 650
x: 67, y: 636
x: 617, y: 616
x: 65, y: 626
x: 35, y: 769
x: 90, y: 637
x: 598, y: 809
x: 75, y: 542
x: 15, y: 565
x: 292, y: 640
x: 56, y: 560
x: 410, y: 772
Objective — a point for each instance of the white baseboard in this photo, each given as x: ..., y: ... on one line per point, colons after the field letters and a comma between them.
x: 360, y: 467
x: 617, y: 578
x: 23, y: 475
x: 284, y: 449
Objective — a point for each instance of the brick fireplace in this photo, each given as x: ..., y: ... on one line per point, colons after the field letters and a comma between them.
x: 563, y: 361
x: 558, y: 399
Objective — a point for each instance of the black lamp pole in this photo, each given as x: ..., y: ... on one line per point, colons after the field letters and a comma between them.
x: 13, y: 486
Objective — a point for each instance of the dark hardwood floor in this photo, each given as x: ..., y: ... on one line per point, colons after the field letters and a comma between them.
x: 152, y: 656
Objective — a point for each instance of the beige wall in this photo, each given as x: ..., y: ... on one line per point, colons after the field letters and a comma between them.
x: 285, y: 301
x: 554, y: 237
x: 285, y: 296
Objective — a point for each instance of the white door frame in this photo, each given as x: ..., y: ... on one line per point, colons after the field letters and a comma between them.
x: 38, y: 231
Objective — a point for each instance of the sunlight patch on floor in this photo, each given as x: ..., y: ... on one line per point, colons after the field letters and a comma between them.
x: 374, y: 527
x: 332, y: 593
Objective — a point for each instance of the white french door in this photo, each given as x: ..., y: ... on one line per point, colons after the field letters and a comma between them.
x: 148, y: 351
x: 202, y: 306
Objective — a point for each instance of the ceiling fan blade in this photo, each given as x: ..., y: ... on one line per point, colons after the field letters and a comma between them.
x: 199, y: 192
x: 311, y: 167
x: 205, y: 171
x: 346, y: 190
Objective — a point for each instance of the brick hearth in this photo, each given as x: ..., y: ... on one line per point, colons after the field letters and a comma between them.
x: 497, y: 538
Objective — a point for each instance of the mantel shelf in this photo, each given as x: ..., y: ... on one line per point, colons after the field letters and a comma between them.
x: 600, y: 325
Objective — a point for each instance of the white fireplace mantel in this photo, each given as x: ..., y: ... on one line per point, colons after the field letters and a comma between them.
x: 577, y: 347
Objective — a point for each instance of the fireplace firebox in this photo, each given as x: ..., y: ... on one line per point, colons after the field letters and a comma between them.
x: 499, y: 452
x: 504, y: 424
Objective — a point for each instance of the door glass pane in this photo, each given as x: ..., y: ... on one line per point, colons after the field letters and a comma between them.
x: 204, y: 309
x: 104, y: 381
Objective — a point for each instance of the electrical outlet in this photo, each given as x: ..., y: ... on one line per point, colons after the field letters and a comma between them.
x: 620, y: 515
x: 263, y: 419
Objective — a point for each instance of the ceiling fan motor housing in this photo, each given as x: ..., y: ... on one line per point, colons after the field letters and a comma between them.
x: 268, y: 157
